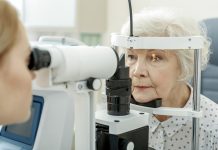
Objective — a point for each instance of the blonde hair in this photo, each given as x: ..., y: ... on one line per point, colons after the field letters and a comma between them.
x: 167, y: 22
x: 9, y: 23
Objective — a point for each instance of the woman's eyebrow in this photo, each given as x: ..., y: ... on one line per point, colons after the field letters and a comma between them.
x: 157, y: 50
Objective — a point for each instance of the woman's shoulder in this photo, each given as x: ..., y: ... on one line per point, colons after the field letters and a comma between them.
x: 208, y: 105
x: 209, y: 121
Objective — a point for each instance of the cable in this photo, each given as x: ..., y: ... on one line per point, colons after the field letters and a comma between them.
x: 130, y: 17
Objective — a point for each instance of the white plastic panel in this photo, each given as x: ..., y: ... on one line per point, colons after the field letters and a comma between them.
x: 170, y: 43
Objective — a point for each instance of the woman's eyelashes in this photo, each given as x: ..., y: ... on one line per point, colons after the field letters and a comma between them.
x: 154, y: 58
x: 131, y: 57
x: 149, y: 58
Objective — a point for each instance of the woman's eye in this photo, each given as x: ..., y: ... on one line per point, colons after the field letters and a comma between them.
x: 155, y: 58
x: 131, y: 57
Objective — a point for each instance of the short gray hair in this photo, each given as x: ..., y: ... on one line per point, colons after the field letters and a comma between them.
x: 165, y: 22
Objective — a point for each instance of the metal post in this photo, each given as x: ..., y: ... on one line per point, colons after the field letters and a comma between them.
x: 93, y: 98
x: 83, y: 123
x: 196, y: 98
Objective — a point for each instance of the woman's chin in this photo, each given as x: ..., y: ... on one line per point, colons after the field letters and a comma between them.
x: 143, y: 100
x: 24, y: 117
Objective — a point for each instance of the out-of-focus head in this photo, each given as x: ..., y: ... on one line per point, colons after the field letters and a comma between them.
x: 8, y: 26
x: 162, y: 73
x: 168, y: 22
x: 15, y: 78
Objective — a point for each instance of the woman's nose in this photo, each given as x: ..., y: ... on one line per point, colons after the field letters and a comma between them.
x: 141, y: 69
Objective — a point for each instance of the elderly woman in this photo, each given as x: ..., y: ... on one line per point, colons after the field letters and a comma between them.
x: 15, y: 78
x: 164, y: 74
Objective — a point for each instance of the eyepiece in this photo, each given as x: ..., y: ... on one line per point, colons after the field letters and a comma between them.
x: 39, y: 59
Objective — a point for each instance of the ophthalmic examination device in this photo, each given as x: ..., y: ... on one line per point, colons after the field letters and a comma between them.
x: 63, y: 113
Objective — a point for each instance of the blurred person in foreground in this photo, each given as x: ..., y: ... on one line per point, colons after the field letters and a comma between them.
x: 15, y: 77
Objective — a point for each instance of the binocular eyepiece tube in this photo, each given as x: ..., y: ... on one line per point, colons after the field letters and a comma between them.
x: 80, y: 63
x: 39, y: 59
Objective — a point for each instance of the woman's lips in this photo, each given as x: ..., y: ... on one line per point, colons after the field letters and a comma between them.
x: 142, y: 87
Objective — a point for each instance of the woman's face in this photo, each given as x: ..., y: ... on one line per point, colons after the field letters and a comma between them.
x: 154, y: 73
x: 16, y: 81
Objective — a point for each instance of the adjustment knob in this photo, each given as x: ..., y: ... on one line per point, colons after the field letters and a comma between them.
x: 124, y: 144
x: 94, y: 84
x: 130, y: 146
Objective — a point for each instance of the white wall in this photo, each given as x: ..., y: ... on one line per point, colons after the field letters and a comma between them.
x: 118, y: 10
x: 107, y: 16
x: 92, y: 15
x: 62, y: 17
